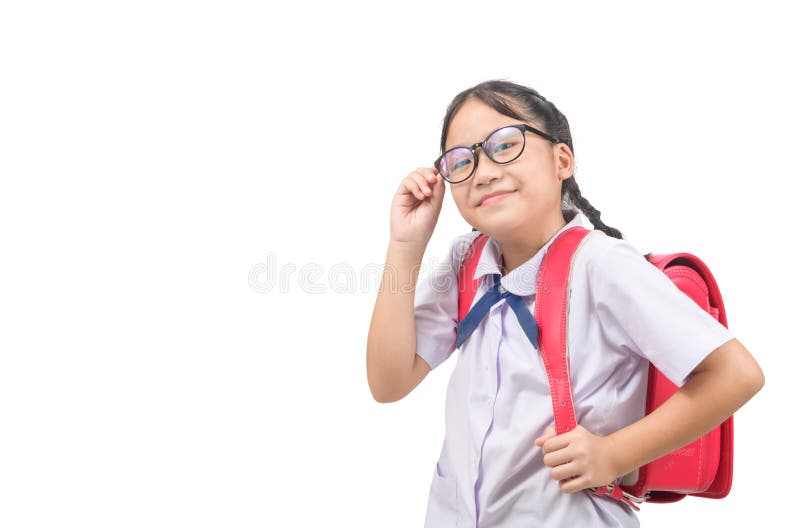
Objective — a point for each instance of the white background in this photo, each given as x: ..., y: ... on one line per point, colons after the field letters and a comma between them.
x: 156, y: 155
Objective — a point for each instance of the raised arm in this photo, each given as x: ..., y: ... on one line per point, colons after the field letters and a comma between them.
x: 393, y: 367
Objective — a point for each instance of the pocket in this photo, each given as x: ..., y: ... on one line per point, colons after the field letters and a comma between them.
x: 442, y: 501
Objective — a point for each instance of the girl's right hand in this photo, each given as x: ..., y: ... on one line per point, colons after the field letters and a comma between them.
x: 416, y: 206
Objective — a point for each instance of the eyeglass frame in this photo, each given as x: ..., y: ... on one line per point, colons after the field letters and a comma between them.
x: 522, y: 127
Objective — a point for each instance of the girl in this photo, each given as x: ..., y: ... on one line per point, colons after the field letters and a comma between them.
x: 508, y: 159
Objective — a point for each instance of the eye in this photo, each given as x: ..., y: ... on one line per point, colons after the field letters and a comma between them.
x: 461, y: 163
x: 502, y: 146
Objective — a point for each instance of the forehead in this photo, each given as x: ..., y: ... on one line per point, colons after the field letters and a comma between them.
x: 473, y: 122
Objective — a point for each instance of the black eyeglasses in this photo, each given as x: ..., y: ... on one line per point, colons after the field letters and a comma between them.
x: 503, y: 145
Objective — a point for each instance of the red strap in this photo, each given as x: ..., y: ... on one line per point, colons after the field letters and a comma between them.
x: 467, y: 285
x: 550, y: 312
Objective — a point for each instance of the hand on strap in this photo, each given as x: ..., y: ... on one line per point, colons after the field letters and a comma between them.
x: 581, y: 460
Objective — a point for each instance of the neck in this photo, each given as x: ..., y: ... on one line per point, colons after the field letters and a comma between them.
x: 521, y: 246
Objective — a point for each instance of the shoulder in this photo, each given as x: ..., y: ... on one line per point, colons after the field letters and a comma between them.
x: 459, y: 247
x: 444, y: 271
x: 617, y: 272
x: 598, y: 243
x: 604, y: 254
x: 609, y: 266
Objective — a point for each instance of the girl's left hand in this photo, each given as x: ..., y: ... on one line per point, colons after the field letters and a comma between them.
x: 579, y: 458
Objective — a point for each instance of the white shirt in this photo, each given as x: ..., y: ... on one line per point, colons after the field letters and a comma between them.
x: 623, y: 314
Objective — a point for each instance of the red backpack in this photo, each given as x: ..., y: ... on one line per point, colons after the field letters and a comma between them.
x: 703, y: 468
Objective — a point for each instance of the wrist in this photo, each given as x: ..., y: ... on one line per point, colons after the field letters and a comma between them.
x: 619, y: 460
x: 409, y: 249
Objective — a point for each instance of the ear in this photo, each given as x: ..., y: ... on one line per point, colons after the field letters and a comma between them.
x: 565, y: 161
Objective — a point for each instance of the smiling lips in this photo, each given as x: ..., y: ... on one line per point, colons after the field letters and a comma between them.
x: 494, y: 197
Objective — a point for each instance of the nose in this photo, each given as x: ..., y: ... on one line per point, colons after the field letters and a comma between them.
x: 486, y: 170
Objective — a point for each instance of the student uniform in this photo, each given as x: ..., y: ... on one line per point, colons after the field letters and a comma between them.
x: 623, y: 313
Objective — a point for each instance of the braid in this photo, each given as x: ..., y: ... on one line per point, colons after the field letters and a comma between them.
x: 569, y: 187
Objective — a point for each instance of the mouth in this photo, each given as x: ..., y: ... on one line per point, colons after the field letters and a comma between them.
x: 494, y: 197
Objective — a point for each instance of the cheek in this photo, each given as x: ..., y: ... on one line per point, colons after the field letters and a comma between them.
x: 461, y: 199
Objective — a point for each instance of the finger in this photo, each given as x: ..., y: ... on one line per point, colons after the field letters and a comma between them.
x: 557, y: 442
x: 428, y: 176
x: 439, y: 177
x: 565, y: 471
x: 412, y: 186
x: 438, y: 186
x: 573, y: 485
x: 557, y: 458
x: 424, y: 185
x: 548, y: 433
x: 432, y: 177
x: 429, y: 173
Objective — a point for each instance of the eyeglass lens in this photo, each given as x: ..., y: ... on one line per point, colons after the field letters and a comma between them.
x: 502, y: 146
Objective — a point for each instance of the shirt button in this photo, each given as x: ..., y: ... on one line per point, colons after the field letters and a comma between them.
x: 488, y: 402
x: 501, y: 289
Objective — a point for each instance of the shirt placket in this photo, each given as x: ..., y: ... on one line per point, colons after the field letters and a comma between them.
x: 490, y: 367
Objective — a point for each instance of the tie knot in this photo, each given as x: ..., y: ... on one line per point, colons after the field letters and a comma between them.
x: 494, y: 295
x: 498, y: 286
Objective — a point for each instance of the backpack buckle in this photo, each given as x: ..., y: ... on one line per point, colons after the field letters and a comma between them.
x: 616, y: 492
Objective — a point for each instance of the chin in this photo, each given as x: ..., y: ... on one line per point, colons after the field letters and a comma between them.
x: 498, y: 225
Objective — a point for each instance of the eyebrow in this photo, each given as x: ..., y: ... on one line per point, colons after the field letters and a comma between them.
x: 482, y: 138
x: 446, y: 148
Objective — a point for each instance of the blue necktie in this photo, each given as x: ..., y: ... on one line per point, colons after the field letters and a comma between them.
x: 489, y: 299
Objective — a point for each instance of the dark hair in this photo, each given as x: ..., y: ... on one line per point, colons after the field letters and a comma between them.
x: 525, y: 103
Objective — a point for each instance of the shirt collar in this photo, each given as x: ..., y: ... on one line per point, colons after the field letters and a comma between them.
x: 522, y: 280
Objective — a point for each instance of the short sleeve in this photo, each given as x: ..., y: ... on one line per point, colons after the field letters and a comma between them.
x: 436, y: 305
x: 641, y: 309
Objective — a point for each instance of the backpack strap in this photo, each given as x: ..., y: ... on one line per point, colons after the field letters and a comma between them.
x: 550, y: 312
x: 467, y: 284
